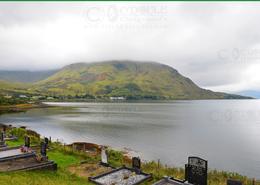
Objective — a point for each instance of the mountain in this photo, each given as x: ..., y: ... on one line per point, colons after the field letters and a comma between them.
x: 124, y: 78
x: 7, y: 87
x: 251, y: 93
x: 25, y: 76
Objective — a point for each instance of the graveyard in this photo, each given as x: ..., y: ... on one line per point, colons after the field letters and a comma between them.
x: 25, y: 157
x: 79, y: 167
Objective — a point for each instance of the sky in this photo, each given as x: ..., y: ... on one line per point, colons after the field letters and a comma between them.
x: 217, y: 44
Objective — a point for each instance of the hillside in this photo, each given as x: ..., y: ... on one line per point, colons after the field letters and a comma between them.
x: 134, y: 80
x: 25, y: 76
x: 12, y: 87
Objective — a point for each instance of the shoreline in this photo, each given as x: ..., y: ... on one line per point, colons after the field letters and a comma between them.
x: 4, y: 109
x: 124, y: 150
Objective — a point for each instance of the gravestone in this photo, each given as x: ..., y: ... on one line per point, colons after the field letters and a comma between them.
x: 2, y: 140
x: 136, y: 163
x: 4, y: 128
x: 233, y: 182
x: 43, y: 149
x: 27, y: 141
x: 196, y: 171
x: 46, y: 140
x: 104, y: 156
x: 2, y: 137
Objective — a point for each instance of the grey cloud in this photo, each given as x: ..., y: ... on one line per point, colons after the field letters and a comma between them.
x: 215, y: 44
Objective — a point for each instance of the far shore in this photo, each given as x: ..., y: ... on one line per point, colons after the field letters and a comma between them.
x: 21, y: 107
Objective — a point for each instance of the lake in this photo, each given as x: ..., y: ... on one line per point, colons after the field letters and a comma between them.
x: 225, y: 132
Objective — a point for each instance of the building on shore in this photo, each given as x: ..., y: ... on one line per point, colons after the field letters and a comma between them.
x: 117, y: 98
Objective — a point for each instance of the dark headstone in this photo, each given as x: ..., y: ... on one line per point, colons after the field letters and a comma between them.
x: 4, y: 128
x: 2, y: 136
x: 46, y: 140
x: 136, y: 163
x: 233, y: 182
x: 2, y: 140
x: 27, y: 141
x: 43, y: 149
x: 196, y: 171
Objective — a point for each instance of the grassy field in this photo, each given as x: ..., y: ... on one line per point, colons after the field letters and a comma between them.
x: 66, y: 158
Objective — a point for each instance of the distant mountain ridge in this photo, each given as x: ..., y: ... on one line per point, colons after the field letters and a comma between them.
x: 129, y: 79
x: 25, y: 76
x: 251, y: 93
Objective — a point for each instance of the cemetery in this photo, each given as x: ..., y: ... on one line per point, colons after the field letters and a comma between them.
x: 101, y: 165
x: 25, y: 158
x: 6, y: 136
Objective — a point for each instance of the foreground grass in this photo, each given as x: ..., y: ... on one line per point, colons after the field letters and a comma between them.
x: 60, y: 177
x: 66, y: 157
x: 41, y: 178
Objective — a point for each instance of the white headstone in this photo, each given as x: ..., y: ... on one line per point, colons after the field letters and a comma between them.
x: 104, y: 155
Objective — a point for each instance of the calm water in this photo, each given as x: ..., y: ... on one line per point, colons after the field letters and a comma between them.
x: 225, y: 132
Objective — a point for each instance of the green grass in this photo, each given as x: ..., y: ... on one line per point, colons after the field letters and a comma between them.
x: 15, y: 143
x: 60, y: 177
x: 63, y: 160
x: 62, y: 156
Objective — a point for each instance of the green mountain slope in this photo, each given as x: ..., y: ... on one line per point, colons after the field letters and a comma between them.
x: 7, y: 87
x: 124, y: 78
x: 25, y: 76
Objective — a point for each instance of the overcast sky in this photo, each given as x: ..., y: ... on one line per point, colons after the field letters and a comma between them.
x: 217, y: 45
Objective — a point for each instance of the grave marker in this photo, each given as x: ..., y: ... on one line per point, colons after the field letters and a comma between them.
x: 196, y: 171
x: 43, y: 149
x: 136, y: 164
x: 46, y: 140
x: 27, y: 141
x: 2, y: 141
x: 4, y: 128
x: 2, y: 137
x: 104, y: 156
